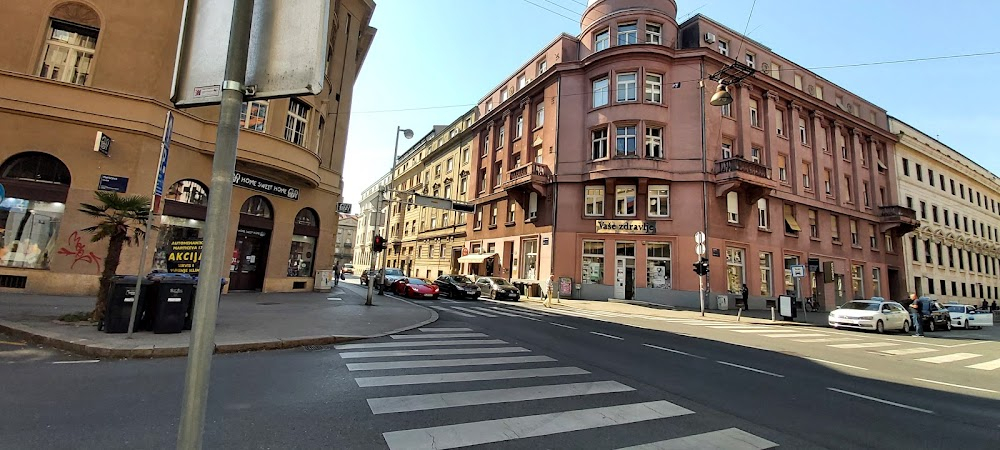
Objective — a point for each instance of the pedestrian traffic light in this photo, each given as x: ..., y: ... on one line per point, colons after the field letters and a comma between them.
x: 701, y: 267
x: 378, y: 244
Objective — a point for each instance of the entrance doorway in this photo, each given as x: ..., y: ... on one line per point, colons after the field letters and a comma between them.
x: 253, y: 240
x: 625, y: 270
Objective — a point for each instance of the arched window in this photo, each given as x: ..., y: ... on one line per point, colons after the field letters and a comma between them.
x: 257, y: 206
x: 307, y: 217
x: 35, y: 166
x: 30, y: 215
x: 188, y: 191
x: 302, y: 255
x: 70, y: 44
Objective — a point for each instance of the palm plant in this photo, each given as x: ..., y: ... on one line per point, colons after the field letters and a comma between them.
x: 121, y: 219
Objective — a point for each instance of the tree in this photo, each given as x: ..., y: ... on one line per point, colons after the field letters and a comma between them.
x: 121, y: 219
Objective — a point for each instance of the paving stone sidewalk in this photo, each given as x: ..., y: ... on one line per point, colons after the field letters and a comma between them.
x: 246, y: 322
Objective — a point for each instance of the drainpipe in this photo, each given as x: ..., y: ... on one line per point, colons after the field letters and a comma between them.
x: 704, y: 162
x: 555, y: 187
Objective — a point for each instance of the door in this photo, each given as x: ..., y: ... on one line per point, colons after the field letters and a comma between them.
x: 619, y: 277
x: 249, y: 260
x: 629, y: 282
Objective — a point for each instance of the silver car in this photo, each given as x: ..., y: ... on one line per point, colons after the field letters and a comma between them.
x: 497, y: 288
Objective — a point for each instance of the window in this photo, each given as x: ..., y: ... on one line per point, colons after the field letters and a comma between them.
x: 923, y: 210
x: 602, y: 40
x: 69, y: 52
x: 806, y: 170
x: 819, y: 92
x: 754, y: 116
x: 297, y: 122
x: 724, y: 47
x: 783, y: 168
x: 437, y: 171
x: 930, y: 176
x: 751, y: 60
x: 300, y: 256
x: 463, y: 185
x: 864, y: 193
x: 798, y: 82
x: 733, y: 207
x: 511, y: 212
x: 755, y: 153
x: 625, y: 200
x: 779, y: 122
x: 599, y: 143
x: 253, y: 115
x: 600, y: 92
x: 727, y: 148
x: 593, y: 262
x: 450, y: 165
x: 813, y: 224
x: 872, y: 237
x: 658, y: 265
x: 444, y: 220
x: 775, y: 70
x: 906, y: 171
x: 763, y: 215
x: 727, y: 110
x: 501, y: 132
x: 735, y: 273
x: 654, y: 142
x: 493, y: 217
x: 628, y: 33
x: 479, y: 217
x: 888, y: 243
x: 803, y: 136
x: 504, y: 94
x: 847, y: 189
x: 653, y: 33
x: 489, y: 105
x: 857, y: 273
x: 626, y: 88
x: 835, y: 228
x: 542, y: 66
x: 654, y: 88
x: 594, y: 201
x: 791, y: 224
x: 920, y: 173
x: 625, y: 138
x: 519, y: 127
x: 539, y: 115
x: 522, y: 81
x: 434, y: 222
x: 855, y: 241
x: 659, y: 201
x: 765, y: 274
x: 533, y: 206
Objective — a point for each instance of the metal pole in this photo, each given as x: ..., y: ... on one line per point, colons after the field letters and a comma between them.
x: 798, y: 294
x: 371, y: 279
x: 196, y: 378
x: 701, y: 293
x: 142, y: 267
x: 392, y: 176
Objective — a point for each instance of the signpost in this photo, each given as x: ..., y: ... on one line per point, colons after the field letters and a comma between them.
x: 798, y: 272
x: 699, y: 240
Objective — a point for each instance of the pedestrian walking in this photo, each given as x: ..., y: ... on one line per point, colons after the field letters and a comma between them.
x: 985, y: 306
x: 993, y: 306
x: 917, y: 315
x: 549, y: 289
x: 336, y: 274
x: 746, y: 295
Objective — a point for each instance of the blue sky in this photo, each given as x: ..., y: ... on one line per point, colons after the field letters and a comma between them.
x: 432, y: 60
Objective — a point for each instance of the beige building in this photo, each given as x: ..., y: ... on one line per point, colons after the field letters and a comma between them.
x: 347, y: 228
x: 70, y: 70
x: 953, y: 255
x: 368, y: 222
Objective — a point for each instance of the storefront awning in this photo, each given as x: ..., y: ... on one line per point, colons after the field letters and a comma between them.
x: 476, y: 258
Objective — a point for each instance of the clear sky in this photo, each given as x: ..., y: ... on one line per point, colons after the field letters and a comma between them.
x: 432, y: 60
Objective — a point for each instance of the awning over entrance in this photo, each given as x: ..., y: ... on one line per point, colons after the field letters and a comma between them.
x: 476, y: 258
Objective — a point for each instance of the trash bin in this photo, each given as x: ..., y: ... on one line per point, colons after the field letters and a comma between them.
x: 168, y: 302
x: 121, y: 300
x: 189, y: 315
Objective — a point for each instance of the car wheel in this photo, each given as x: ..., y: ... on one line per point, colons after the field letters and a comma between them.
x: 493, y: 295
x: 966, y: 325
x: 879, y: 327
x: 947, y: 326
x: 906, y: 326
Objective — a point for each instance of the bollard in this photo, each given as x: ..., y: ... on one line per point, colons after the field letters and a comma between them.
x: 772, y: 314
x: 739, y: 314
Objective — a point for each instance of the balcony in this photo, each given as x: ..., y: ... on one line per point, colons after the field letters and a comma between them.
x: 744, y: 176
x: 899, y: 219
x: 532, y: 175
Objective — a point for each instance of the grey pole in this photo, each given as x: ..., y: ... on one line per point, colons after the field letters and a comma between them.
x: 196, y: 378
x: 138, y: 281
x: 392, y: 176
x: 371, y: 279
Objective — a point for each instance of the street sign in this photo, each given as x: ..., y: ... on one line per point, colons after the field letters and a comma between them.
x: 112, y: 183
x: 3, y: 193
x: 161, y: 168
x: 344, y: 208
x: 700, y: 249
x: 699, y: 238
x: 287, y: 56
x: 432, y: 202
x: 102, y: 144
x: 798, y: 271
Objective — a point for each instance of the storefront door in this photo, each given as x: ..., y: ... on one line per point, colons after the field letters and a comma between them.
x: 249, y: 259
x: 620, y: 277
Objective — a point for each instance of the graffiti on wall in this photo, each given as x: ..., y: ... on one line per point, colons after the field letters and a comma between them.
x: 79, y: 252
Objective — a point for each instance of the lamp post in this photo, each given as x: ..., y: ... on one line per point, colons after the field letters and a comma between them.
x: 407, y: 133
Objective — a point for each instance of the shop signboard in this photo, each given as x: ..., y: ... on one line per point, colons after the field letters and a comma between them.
x: 112, y: 183
x: 266, y: 186
x: 185, y: 257
x: 626, y: 226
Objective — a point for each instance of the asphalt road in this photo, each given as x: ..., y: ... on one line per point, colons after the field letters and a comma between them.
x: 501, y: 376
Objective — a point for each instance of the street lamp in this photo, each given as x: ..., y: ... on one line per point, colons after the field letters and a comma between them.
x: 407, y: 133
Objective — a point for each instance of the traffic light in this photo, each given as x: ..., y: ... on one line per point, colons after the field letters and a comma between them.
x: 378, y: 244
x: 701, y: 267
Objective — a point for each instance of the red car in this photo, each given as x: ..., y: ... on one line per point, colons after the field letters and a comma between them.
x: 415, y: 288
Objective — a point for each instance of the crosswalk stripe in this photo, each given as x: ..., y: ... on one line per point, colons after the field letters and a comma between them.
x: 388, y: 365
x: 502, y: 313
x: 829, y: 339
x: 437, y: 335
x: 441, y: 308
x: 736, y: 327
x: 499, y: 430
x: 433, y: 352
x: 863, y: 345
x: 442, y: 330
x: 448, y: 301
x: 471, y: 311
x: 908, y: 351
x: 729, y: 439
x: 793, y: 335
x: 766, y: 330
x: 988, y: 365
x: 419, y: 344
x: 949, y: 358
x: 519, y: 311
x: 407, y: 403
x: 516, y: 314
x: 456, y: 377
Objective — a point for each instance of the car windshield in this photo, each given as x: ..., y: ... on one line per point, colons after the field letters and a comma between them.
x: 393, y: 272
x: 957, y: 309
x: 416, y: 281
x: 866, y: 306
x: 502, y: 282
x: 460, y: 279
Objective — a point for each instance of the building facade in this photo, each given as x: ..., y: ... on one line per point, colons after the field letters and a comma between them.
x: 347, y: 227
x: 370, y: 223
x: 603, y: 149
x: 70, y: 70
x: 953, y: 255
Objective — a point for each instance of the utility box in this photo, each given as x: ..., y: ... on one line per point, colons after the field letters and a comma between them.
x: 722, y: 302
x: 323, y: 281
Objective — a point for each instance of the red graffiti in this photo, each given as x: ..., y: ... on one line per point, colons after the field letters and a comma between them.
x: 79, y: 252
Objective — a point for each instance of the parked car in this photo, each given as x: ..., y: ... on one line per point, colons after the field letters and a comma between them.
x: 391, y: 274
x: 968, y: 316
x: 366, y: 275
x: 457, y: 286
x: 936, y: 316
x: 348, y: 268
x: 415, y: 288
x: 497, y: 288
x: 875, y: 314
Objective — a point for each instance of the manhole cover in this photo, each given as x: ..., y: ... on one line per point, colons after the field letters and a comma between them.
x: 268, y: 303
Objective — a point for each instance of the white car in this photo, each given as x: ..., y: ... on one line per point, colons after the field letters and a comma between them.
x: 967, y: 316
x: 875, y: 314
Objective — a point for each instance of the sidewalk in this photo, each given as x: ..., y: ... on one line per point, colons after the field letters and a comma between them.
x: 246, y: 322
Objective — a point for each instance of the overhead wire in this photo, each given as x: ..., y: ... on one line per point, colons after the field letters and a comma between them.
x: 743, y: 38
x: 551, y: 11
x: 563, y: 7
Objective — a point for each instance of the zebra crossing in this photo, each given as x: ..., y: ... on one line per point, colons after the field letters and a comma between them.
x: 466, y: 309
x: 510, y: 394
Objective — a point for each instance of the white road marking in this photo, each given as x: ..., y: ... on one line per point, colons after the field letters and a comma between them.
x: 826, y: 340
x: 952, y: 357
x: 441, y: 308
x: 863, y: 345
x: 502, y: 313
x: 751, y: 369
x: 433, y: 352
x: 472, y: 311
x: 420, y: 344
x: 988, y: 365
x: 792, y: 335
x: 607, y: 335
x: 766, y: 330
x: 908, y: 351
x: 887, y: 402
x: 442, y: 330
x: 736, y: 327
x: 457, y: 377
x: 407, y: 403
x: 499, y: 430
x: 835, y: 363
x: 84, y: 361
x: 513, y: 314
x: 729, y: 439
x: 518, y: 311
x: 561, y: 325
x: 957, y: 385
x: 447, y: 362
x: 437, y: 336
x: 673, y: 351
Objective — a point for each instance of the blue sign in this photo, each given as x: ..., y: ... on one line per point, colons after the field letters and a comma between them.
x: 112, y: 183
x: 3, y: 193
x: 161, y: 171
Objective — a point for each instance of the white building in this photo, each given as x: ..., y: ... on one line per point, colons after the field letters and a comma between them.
x: 953, y: 255
x: 367, y: 223
x: 346, y: 230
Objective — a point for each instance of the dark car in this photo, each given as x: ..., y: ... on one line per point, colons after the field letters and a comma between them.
x: 365, y: 276
x: 936, y: 317
x: 497, y: 288
x: 457, y: 286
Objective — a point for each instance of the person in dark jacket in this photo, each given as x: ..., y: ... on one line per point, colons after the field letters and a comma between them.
x: 745, y: 292
x: 993, y: 306
x: 917, y: 315
x: 985, y: 306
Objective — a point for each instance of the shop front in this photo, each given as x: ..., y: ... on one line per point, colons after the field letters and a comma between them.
x: 253, y: 241
x: 36, y: 186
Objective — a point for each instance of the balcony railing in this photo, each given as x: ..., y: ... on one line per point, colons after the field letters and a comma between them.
x: 897, y: 212
x: 742, y: 166
x: 528, y: 173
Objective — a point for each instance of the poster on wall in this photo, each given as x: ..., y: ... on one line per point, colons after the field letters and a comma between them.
x: 185, y: 257
x: 659, y: 280
x: 565, y: 287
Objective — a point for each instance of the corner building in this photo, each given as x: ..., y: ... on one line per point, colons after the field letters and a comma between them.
x: 72, y: 69
x: 601, y: 157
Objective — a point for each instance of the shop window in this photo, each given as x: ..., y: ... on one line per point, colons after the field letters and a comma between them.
x: 34, y: 166
x: 188, y: 191
x: 31, y: 213
x: 735, y: 270
x: 658, y: 265
x: 70, y: 44
x: 257, y: 206
x: 182, y: 233
x: 593, y: 262
x: 765, y: 274
x: 530, y: 258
